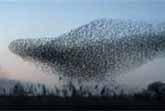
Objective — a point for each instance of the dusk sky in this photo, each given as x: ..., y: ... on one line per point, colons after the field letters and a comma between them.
x: 50, y: 18
x: 41, y: 18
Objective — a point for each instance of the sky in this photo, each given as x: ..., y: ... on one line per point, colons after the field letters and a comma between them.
x: 50, y: 18
x: 40, y: 18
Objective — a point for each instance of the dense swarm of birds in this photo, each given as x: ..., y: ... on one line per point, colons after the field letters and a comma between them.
x: 102, y: 47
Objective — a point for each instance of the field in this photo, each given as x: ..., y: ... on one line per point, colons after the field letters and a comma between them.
x: 52, y: 102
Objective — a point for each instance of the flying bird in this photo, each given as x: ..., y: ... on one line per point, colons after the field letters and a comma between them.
x: 99, y: 48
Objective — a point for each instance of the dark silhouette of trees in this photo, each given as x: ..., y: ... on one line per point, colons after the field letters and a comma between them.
x: 154, y: 92
x: 18, y: 90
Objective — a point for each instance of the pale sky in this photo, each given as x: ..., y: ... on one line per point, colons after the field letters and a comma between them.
x: 50, y: 18
x: 40, y: 18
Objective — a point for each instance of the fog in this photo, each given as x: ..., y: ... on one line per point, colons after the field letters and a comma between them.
x: 14, y: 67
x: 144, y: 75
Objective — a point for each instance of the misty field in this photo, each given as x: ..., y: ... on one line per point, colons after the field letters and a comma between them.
x: 152, y: 97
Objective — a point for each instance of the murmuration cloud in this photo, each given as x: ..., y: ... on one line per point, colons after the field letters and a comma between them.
x: 101, y: 48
